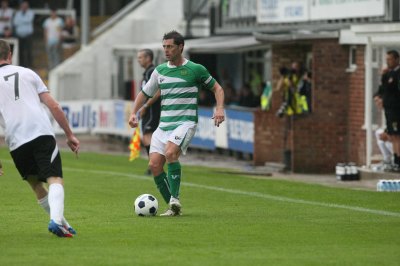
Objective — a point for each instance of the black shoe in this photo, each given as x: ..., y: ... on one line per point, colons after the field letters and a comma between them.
x: 395, y: 168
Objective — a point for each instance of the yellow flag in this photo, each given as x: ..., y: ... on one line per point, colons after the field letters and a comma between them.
x: 134, y: 145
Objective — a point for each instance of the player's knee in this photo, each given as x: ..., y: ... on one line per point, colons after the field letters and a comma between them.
x: 155, y: 166
x: 171, y: 155
x: 55, y: 180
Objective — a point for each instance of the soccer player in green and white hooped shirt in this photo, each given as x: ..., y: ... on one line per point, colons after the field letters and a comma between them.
x: 179, y: 81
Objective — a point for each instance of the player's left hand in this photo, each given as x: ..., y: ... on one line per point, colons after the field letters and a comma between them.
x: 219, y: 116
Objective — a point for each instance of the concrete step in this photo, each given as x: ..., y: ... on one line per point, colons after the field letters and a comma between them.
x: 368, y: 174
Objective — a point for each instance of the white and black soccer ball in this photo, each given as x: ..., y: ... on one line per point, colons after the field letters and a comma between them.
x: 146, y: 205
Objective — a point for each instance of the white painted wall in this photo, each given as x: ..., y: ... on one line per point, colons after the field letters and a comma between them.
x: 86, y: 75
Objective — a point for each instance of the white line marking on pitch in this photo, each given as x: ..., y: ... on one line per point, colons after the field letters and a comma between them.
x: 250, y: 193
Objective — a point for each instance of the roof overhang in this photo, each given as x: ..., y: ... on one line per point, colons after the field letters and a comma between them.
x: 224, y: 45
x: 379, y: 34
x: 209, y: 45
x: 295, y: 36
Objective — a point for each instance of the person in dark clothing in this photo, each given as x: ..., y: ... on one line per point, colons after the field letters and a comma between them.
x: 150, y: 112
x: 246, y: 97
x: 390, y: 92
x: 306, y: 89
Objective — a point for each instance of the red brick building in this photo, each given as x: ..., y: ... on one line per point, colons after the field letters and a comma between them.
x: 333, y: 131
x: 343, y: 78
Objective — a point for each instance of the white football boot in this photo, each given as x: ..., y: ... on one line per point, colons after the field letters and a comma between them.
x: 174, y: 208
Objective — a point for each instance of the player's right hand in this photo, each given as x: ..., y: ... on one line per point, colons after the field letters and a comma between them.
x: 1, y: 169
x: 133, y: 121
x: 73, y: 144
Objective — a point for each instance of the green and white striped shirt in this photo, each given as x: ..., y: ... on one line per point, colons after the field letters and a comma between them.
x: 180, y: 86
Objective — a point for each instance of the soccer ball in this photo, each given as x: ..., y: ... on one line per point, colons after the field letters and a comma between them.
x: 146, y: 205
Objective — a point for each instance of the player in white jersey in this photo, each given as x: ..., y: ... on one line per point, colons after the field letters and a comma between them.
x: 179, y: 81
x: 30, y: 137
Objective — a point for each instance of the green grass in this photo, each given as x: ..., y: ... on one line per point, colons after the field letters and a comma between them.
x: 227, y: 220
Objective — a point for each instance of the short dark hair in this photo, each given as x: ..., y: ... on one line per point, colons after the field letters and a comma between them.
x: 4, y: 49
x: 148, y: 53
x: 377, y: 94
x: 176, y: 36
x: 393, y: 53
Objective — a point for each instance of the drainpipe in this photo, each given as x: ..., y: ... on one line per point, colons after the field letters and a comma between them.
x: 368, y: 100
x: 85, y: 13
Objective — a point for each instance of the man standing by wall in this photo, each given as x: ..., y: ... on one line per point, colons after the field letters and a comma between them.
x: 150, y: 111
x: 390, y: 92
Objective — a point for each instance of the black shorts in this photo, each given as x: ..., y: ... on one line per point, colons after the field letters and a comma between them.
x: 392, y: 121
x: 39, y: 157
x: 151, y: 119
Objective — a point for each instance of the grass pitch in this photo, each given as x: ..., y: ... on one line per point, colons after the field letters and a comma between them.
x: 227, y: 220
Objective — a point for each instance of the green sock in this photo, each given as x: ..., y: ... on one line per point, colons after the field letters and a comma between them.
x: 163, y: 186
x: 174, y: 178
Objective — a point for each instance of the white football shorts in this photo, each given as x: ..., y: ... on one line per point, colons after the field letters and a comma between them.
x: 181, y: 136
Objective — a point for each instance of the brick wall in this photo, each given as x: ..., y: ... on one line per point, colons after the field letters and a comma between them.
x: 332, y: 133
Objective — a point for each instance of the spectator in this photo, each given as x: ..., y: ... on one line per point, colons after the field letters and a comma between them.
x: 390, y: 92
x: 246, y: 97
x: 52, y: 36
x: 383, y: 140
x: 230, y: 94
x: 206, y: 99
x: 70, y: 37
x: 7, y: 32
x: 6, y: 14
x: 289, y: 84
x: 305, y: 89
x: 265, y: 98
x: 23, y: 25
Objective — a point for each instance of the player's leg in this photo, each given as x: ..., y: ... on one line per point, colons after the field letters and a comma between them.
x: 48, y: 163
x: 383, y: 145
x: 178, y: 142
x: 393, y: 129
x: 172, y: 153
x: 43, y: 199
x: 146, y: 143
x: 396, y: 149
x: 156, y: 165
x: 157, y: 161
x: 56, y: 204
x: 150, y: 122
x: 56, y: 198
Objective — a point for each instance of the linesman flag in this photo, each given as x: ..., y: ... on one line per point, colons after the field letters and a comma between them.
x: 134, y: 145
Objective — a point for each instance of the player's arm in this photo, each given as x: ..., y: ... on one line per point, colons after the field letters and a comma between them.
x: 149, y: 103
x: 149, y: 90
x: 134, y: 119
x: 1, y: 169
x: 59, y: 116
x: 219, y: 114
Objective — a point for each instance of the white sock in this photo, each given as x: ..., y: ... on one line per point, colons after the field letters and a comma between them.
x: 56, y: 202
x: 385, y: 147
x: 44, y: 202
x: 389, y: 152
